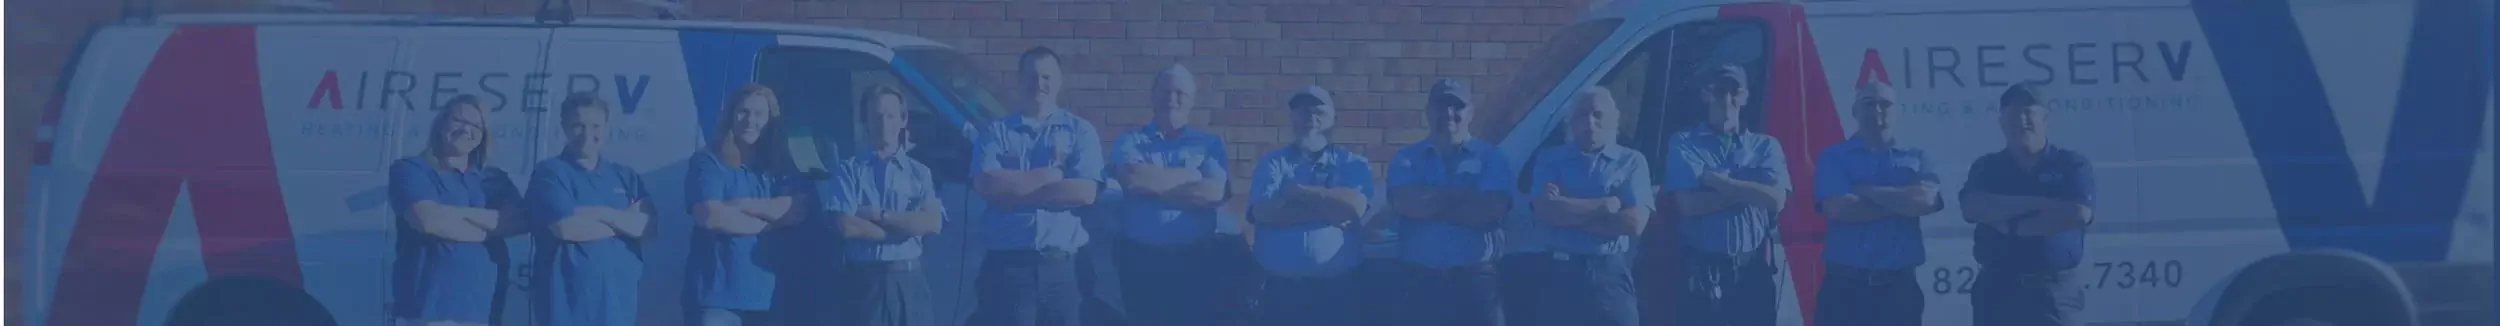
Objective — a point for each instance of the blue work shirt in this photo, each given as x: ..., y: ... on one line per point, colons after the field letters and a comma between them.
x: 1613, y: 171
x: 727, y: 271
x: 1015, y: 142
x: 1887, y: 243
x: 594, y: 282
x: 1151, y: 220
x: 436, y: 278
x: 891, y: 184
x: 2060, y: 174
x: 1744, y: 156
x: 1442, y: 244
x: 1309, y: 248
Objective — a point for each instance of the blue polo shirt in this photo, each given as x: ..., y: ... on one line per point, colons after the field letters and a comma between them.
x: 1015, y: 142
x: 1744, y: 155
x: 891, y: 184
x: 1893, y: 242
x: 2060, y: 174
x: 1308, y: 248
x: 435, y: 278
x: 726, y: 272
x: 1150, y: 220
x: 1613, y: 171
x: 591, y: 282
x: 1477, y: 165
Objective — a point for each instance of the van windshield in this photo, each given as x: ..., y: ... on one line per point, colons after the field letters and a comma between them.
x: 1563, y: 52
x: 955, y: 75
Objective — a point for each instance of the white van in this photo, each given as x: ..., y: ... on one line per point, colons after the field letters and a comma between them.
x: 193, y: 151
x: 2257, y: 160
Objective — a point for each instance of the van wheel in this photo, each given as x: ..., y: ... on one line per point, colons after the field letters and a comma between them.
x: 248, y: 300
x: 2324, y: 306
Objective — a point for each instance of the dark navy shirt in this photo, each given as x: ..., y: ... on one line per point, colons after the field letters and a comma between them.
x: 1890, y: 242
x: 1477, y: 165
x: 2060, y: 174
x: 439, y: 279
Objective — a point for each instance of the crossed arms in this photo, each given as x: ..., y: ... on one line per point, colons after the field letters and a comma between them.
x: 1299, y: 203
x: 463, y: 224
x: 745, y: 216
x: 587, y: 223
x: 1867, y: 203
x: 1464, y: 206
x: 1187, y: 188
x: 870, y: 223
x: 1603, y: 215
x: 2024, y: 215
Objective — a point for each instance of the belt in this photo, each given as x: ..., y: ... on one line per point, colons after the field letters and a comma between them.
x: 1565, y: 256
x: 1187, y: 248
x: 1033, y: 254
x: 1460, y: 270
x: 2032, y: 277
x: 1866, y: 276
x: 905, y: 265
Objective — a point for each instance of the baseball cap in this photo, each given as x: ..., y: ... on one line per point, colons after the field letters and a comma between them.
x: 1447, y: 92
x: 1310, y: 96
x: 1724, y: 76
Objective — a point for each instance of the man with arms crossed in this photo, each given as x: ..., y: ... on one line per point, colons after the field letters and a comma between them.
x: 2031, y: 202
x: 1728, y: 182
x: 1874, y: 189
x: 1594, y: 197
x: 1308, y: 200
x: 1034, y: 167
x: 1173, y: 175
x: 884, y: 203
x: 1452, y: 190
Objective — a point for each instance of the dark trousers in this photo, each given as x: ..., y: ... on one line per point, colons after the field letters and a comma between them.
x: 1591, y: 290
x: 1168, y: 285
x: 1310, y: 301
x: 2025, y: 298
x: 1459, y: 296
x: 1862, y: 297
x: 886, y: 293
x: 1028, y: 288
x: 1523, y: 279
x: 1237, y: 281
x: 1721, y: 290
x: 1377, y: 283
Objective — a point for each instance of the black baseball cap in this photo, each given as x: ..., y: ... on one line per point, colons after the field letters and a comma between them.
x: 1722, y: 76
x: 1310, y: 96
x: 1447, y: 92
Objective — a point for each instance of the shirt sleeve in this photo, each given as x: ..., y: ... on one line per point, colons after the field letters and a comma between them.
x: 1265, y: 181
x: 411, y: 183
x: 928, y: 190
x: 986, y: 151
x: 706, y: 181
x: 1086, y: 163
x: 1635, y: 191
x: 1498, y: 176
x: 834, y: 195
x: 2083, y: 189
x: 1830, y: 178
x: 1541, y: 173
x: 1356, y: 174
x: 550, y: 198
x: 1973, y: 181
x: 1123, y: 153
x: 1683, y: 168
x: 1775, y: 162
x: 1213, y: 167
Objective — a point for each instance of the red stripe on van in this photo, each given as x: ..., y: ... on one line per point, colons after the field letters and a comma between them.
x: 196, y: 120
x: 1799, y: 114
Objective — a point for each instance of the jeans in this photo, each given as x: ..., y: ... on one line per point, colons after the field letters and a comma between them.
x: 728, y: 317
x: 1459, y: 296
x: 1028, y: 288
x: 894, y: 293
x: 1309, y: 301
x: 1168, y: 285
x: 1858, y: 297
x: 2026, y: 298
x: 1722, y: 290
x: 1590, y: 290
x: 1523, y: 278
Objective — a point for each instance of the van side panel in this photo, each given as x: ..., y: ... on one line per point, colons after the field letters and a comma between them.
x: 111, y: 68
x: 193, y: 122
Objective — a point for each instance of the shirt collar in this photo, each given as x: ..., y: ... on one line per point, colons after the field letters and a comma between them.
x: 1612, y: 152
x: 1052, y: 116
x: 1154, y: 131
x: 870, y: 155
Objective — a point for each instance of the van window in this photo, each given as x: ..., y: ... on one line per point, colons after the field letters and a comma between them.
x: 1566, y: 50
x: 966, y: 84
x: 1655, y: 91
x: 820, y: 91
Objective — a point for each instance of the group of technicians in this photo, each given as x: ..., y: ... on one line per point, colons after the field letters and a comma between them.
x: 1463, y: 259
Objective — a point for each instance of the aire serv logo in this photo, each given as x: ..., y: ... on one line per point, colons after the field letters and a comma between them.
x: 531, y: 92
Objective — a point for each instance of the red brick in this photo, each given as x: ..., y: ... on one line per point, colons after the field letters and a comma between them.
x: 1396, y: 14
x: 1428, y: 50
x: 1119, y: 47
x: 1204, y: 65
x: 1361, y: 66
x: 1326, y: 49
x: 1085, y: 11
x: 1033, y: 10
x: 1288, y: 83
x: 1411, y: 67
x: 1102, y: 29
x: 1188, y: 11
x: 1517, y: 34
x: 1344, y: 13
x: 1310, y: 66
x: 1256, y: 65
x: 1045, y: 28
x: 1359, y: 133
x: 1218, y: 47
x: 1170, y: 47
x: 1254, y: 30
x: 1449, y: 14
x: 1138, y: 11
x: 1201, y: 30
x: 996, y: 28
x: 1411, y: 32
x: 1309, y: 31
x: 1499, y: 16
x: 1346, y: 83
x: 945, y: 28
x: 1277, y: 48
x: 1461, y: 67
x: 1241, y: 14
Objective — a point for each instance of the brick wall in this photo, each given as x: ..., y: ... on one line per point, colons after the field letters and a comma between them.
x: 1377, y: 55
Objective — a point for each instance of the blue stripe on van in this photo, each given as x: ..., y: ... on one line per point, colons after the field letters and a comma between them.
x: 716, y: 64
x: 2309, y: 173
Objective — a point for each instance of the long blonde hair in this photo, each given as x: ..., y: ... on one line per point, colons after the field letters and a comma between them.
x: 442, y: 119
x: 727, y: 147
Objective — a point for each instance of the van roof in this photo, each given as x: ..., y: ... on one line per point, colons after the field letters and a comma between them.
x: 1636, y: 10
x: 888, y: 39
